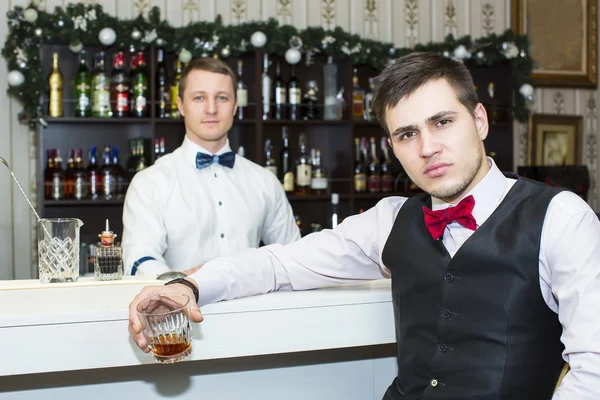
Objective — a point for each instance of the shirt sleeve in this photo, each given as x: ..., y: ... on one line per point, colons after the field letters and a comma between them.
x: 143, y: 229
x: 349, y: 253
x: 279, y: 225
x: 570, y: 269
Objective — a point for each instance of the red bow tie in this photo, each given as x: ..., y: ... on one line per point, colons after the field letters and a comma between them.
x: 436, y: 221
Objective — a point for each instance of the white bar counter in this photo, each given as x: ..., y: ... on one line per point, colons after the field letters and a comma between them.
x: 67, y: 340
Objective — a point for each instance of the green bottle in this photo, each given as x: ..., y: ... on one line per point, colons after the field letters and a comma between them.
x: 83, y: 90
x: 140, y: 85
x: 100, y: 89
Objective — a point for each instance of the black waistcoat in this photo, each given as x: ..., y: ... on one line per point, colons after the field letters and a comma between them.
x: 475, y: 326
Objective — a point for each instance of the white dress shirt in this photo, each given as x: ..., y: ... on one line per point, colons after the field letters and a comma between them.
x: 183, y: 217
x: 569, y: 265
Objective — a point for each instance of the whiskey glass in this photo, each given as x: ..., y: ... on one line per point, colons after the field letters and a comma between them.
x: 167, y: 326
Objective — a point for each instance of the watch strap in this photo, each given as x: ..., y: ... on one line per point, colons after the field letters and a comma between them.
x: 188, y: 284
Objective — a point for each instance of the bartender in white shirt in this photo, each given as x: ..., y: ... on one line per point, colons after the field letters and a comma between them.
x: 202, y: 201
x: 495, y: 279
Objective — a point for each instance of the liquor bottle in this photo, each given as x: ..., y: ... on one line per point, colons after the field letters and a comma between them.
x: 156, y: 149
x: 100, y: 89
x: 162, y: 91
x: 369, y: 114
x: 142, y: 162
x: 374, y: 179
x: 106, y: 175
x: 387, y: 179
x: 131, y: 76
x: 69, y: 174
x: 358, y: 98
x: 266, y: 88
x: 48, y: 172
x: 175, y: 90
x: 57, y: 178
x: 56, y: 82
x: 329, y: 90
x: 92, y: 173
x: 286, y: 175
x: 80, y: 178
x: 83, y: 88
x: 294, y: 95
x: 132, y: 160
x: 335, y: 200
x: 279, y: 93
x: 242, y: 92
x: 119, y: 173
x: 310, y: 107
x: 303, y: 168
x: 270, y: 163
x: 140, y: 85
x: 318, y: 182
x: 119, y: 87
x: 360, y: 172
x: 162, y: 148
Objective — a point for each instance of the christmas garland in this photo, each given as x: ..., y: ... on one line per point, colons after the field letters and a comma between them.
x: 81, y: 24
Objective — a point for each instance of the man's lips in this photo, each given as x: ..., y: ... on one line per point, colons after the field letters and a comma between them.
x: 436, y: 169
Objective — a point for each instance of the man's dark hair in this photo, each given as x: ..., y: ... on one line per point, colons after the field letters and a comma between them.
x: 207, y: 64
x: 406, y: 74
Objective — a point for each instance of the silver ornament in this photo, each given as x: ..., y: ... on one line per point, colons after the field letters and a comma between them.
x: 22, y: 65
x: 225, y: 52
x: 75, y: 46
x: 31, y: 15
x: 295, y: 42
x: 197, y: 41
x: 61, y: 23
x: 136, y: 34
x: 38, y: 31
x: 392, y: 52
x: 160, y: 42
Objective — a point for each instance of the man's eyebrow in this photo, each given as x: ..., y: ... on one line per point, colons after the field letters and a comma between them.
x: 433, y: 118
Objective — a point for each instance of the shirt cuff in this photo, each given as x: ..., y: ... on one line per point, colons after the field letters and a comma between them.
x: 210, y: 286
x: 151, y: 268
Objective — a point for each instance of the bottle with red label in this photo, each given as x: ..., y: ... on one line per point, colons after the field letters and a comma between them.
x: 119, y: 87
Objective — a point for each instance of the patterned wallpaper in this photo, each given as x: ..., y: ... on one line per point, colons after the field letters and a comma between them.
x: 403, y: 22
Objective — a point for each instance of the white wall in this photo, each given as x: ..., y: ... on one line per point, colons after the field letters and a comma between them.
x: 403, y: 22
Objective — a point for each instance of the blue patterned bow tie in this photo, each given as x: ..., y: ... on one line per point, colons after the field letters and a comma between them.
x: 203, y: 160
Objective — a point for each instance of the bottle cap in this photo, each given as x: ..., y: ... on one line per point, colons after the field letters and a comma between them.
x: 335, y: 198
x: 107, y: 237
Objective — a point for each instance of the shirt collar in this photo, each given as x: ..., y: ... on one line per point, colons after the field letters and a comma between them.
x: 488, y: 194
x: 190, y: 149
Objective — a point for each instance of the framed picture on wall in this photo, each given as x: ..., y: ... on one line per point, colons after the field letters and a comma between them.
x: 562, y: 39
x: 555, y: 140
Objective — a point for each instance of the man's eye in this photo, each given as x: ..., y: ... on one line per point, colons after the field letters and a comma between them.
x: 443, y: 122
x: 407, y: 135
x: 223, y: 98
x: 199, y: 98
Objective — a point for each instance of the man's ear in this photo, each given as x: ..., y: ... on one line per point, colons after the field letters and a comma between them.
x: 481, y: 121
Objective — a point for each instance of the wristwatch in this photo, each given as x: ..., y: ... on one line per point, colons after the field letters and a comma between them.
x: 188, y: 284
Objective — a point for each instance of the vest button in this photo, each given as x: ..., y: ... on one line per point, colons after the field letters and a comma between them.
x: 448, y: 278
x: 434, y: 382
x: 442, y: 348
x: 446, y: 313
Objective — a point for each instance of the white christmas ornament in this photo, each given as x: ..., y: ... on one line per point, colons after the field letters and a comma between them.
x: 136, y: 34
x: 225, y: 52
x: 258, y: 39
x: 76, y: 46
x: 107, y: 36
x: 293, y: 56
x: 15, y: 78
x: 526, y: 90
x: 185, y: 56
x: 461, y: 52
x: 30, y: 15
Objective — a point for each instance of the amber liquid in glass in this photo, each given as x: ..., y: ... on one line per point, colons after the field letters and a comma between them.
x: 169, y: 345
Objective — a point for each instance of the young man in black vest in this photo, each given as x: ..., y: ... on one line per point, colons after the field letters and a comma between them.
x: 488, y: 271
